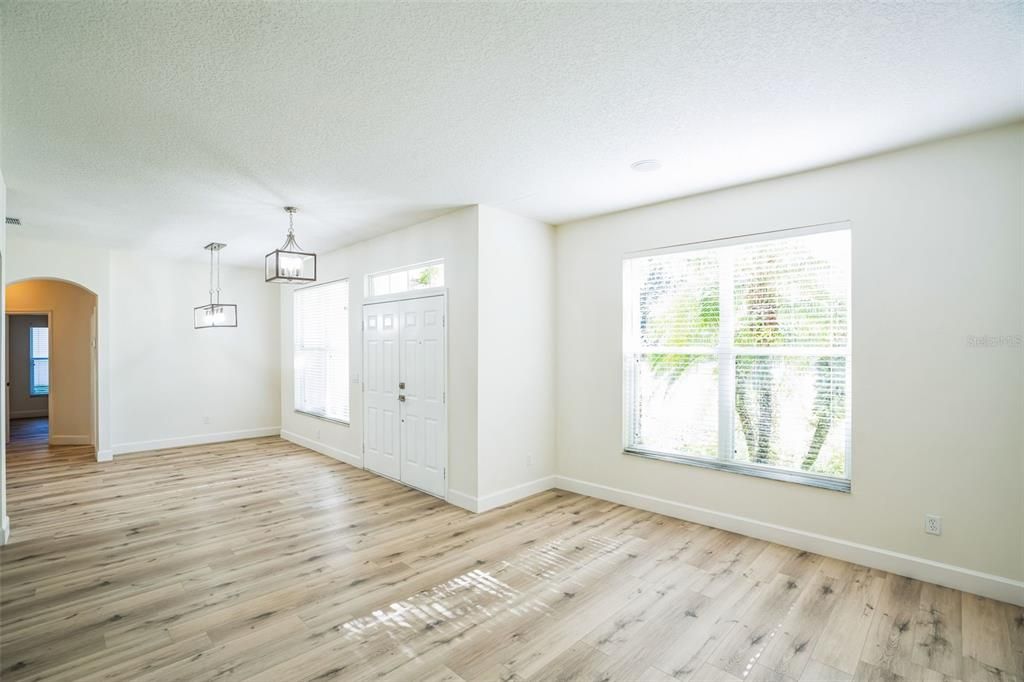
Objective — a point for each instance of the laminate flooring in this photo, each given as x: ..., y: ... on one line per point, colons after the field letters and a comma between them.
x: 260, y: 560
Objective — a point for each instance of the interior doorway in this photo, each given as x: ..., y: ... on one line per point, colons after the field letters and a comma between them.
x: 28, y: 378
x: 51, y: 364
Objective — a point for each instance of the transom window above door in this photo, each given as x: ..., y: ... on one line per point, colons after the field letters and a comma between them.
x: 427, y: 275
x: 737, y: 355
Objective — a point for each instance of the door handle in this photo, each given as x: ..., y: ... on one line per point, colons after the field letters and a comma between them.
x: 401, y: 384
x: 401, y: 398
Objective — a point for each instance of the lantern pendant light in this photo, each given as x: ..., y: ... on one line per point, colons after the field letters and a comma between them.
x: 290, y: 263
x: 215, y: 314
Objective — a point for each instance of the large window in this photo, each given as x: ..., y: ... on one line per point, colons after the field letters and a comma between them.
x: 39, y: 361
x: 420, y: 276
x: 321, y: 350
x: 737, y: 355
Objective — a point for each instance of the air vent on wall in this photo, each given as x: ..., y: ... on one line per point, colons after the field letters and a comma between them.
x: 13, y: 221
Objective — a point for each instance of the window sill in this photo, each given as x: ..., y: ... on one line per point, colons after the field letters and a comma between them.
x: 322, y: 417
x: 841, y: 485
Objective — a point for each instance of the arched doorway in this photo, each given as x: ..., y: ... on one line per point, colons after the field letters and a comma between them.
x: 51, y: 364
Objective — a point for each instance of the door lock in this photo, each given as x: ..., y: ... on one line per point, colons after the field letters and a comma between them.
x: 401, y: 384
x: 401, y: 398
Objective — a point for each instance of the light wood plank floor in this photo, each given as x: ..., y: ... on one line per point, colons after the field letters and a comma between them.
x: 260, y: 560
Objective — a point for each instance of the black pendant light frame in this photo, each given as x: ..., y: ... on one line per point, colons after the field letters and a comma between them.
x: 290, y: 250
x: 205, y: 316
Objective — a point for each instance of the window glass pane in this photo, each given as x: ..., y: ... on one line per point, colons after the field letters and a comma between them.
x: 321, y: 353
x: 793, y: 292
x: 311, y: 384
x: 790, y: 412
x: 398, y: 282
x: 677, y: 300
x: 756, y: 331
x: 676, y: 406
x: 437, y: 275
x: 40, y: 338
x: 424, y: 276
x: 380, y: 285
x: 39, y: 349
x: 40, y: 376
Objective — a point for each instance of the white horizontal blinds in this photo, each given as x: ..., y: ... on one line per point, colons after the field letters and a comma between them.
x: 321, y: 343
x: 676, y: 403
x: 791, y: 342
x: 793, y: 292
x: 39, y: 345
x: 40, y: 342
x: 741, y: 352
x: 677, y: 301
x: 671, y: 353
x: 790, y: 412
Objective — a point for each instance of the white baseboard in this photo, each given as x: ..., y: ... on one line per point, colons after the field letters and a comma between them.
x: 323, y: 449
x: 964, y: 579
x: 70, y: 440
x: 462, y: 500
x: 197, y: 439
x: 5, y: 530
x: 515, y: 493
x: 501, y: 497
x: 25, y: 414
x: 105, y: 455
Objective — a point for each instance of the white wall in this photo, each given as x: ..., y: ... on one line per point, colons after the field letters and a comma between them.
x: 516, y: 391
x: 938, y: 257
x: 173, y: 384
x: 23, y: 403
x: 452, y: 237
x: 5, y: 522
x: 158, y: 377
x: 499, y: 271
x: 82, y: 265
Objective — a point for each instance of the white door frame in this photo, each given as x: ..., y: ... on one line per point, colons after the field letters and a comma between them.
x: 442, y: 292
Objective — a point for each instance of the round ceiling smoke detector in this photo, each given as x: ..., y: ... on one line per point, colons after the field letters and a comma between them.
x: 646, y: 165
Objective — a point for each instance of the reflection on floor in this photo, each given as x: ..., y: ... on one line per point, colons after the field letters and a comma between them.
x: 260, y: 560
x: 29, y: 433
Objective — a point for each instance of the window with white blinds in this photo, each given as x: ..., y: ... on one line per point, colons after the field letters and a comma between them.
x: 39, y: 360
x: 322, y: 350
x: 737, y: 355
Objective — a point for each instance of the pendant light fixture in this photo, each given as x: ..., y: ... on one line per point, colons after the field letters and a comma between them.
x: 290, y: 263
x: 215, y: 314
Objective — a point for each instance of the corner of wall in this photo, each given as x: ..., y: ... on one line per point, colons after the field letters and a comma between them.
x: 6, y: 530
x: 516, y: 378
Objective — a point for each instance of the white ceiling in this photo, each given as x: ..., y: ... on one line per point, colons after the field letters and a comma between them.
x: 167, y: 125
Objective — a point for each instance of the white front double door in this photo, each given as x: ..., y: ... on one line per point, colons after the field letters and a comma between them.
x: 404, y: 391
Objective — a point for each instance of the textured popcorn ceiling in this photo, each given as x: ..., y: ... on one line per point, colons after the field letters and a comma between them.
x: 167, y: 125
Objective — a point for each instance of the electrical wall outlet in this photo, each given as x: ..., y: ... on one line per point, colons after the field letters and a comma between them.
x: 206, y: 420
x: 933, y: 524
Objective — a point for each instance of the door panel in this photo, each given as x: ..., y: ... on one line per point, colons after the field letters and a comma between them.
x: 404, y: 394
x: 423, y: 412
x: 381, y: 437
